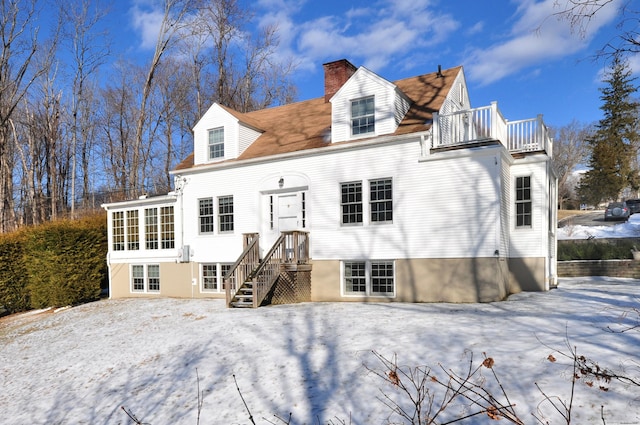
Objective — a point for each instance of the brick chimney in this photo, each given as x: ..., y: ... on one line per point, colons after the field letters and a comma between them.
x: 335, y: 75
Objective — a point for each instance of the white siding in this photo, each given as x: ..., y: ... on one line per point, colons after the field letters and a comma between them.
x: 457, y: 99
x: 445, y: 208
x: 223, y: 247
x: 531, y: 241
x: 390, y: 105
x: 215, y: 117
x: 246, y: 137
x: 505, y: 208
x: 401, y: 106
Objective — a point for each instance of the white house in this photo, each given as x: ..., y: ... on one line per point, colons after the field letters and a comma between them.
x: 378, y: 191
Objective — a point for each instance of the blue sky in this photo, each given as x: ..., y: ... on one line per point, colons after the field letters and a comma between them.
x: 514, y: 52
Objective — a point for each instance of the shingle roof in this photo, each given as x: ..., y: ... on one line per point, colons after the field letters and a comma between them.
x: 307, y: 124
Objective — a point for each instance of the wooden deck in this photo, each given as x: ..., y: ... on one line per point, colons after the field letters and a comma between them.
x: 467, y: 127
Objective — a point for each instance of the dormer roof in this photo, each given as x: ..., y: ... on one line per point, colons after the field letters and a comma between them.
x: 307, y: 125
x: 243, y: 118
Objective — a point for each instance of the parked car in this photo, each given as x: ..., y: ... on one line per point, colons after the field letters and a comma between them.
x: 617, y: 211
x: 634, y: 205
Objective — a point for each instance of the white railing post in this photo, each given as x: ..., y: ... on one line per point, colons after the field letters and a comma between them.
x: 540, y: 133
x: 435, y: 131
x: 494, y: 121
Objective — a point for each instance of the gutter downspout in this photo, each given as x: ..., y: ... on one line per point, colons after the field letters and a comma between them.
x: 109, y: 273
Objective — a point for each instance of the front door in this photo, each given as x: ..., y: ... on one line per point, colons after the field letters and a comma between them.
x: 283, y: 212
x: 289, y: 212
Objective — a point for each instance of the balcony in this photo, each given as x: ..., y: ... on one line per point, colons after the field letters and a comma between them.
x: 474, y: 126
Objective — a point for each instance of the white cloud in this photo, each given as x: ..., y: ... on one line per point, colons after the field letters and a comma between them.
x: 374, y: 36
x: 634, y: 64
x: 536, y: 37
x: 146, y: 19
x: 475, y: 29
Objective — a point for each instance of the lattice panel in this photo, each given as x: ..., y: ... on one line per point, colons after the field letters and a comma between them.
x: 292, y: 287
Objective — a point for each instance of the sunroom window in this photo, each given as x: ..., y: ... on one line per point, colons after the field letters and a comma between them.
x: 151, y: 228
x: 133, y: 235
x: 118, y: 230
x: 167, y: 235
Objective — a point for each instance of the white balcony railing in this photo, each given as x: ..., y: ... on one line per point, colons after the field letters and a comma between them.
x: 487, y: 123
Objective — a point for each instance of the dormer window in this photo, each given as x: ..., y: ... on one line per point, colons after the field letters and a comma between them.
x: 362, y: 116
x: 216, y: 143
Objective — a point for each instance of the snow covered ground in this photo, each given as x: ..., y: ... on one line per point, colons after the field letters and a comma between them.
x: 81, y: 364
x: 628, y: 229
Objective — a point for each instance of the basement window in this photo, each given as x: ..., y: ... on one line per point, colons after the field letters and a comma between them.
x: 212, y: 276
x: 145, y: 278
x: 368, y: 278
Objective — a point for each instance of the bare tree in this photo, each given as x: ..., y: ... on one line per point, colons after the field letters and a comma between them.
x: 54, y: 118
x: 175, y: 94
x: 264, y: 80
x: 18, y: 71
x: 89, y: 50
x: 193, y: 48
x: 570, y: 149
x: 580, y: 13
x: 247, y: 73
x: 117, y: 127
x: 50, y: 137
x: 173, y: 21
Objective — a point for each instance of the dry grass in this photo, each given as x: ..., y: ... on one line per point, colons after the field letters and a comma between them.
x: 568, y: 213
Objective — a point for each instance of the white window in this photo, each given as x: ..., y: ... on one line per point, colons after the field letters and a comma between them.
x: 167, y: 234
x: 368, y: 278
x: 145, y: 278
x: 133, y: 231
x: 133, y: 235
x: 381, y: 200
x: 151, y: 228
x: 523, y: 201
x: 216, y: 143
x: 225, y: 214
x: 117, y: 225
x: 352, y: 203
x: 212, y: 276
x: 362, y: 116
x: 205, y: 208
x: 126, y: 234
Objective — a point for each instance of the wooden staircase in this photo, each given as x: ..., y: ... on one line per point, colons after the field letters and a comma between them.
x: 257, y: 276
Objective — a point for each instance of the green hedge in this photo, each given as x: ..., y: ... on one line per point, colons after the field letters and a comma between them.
x: 14, y: 295
x: 597, y: 249
x: 55, y: 264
